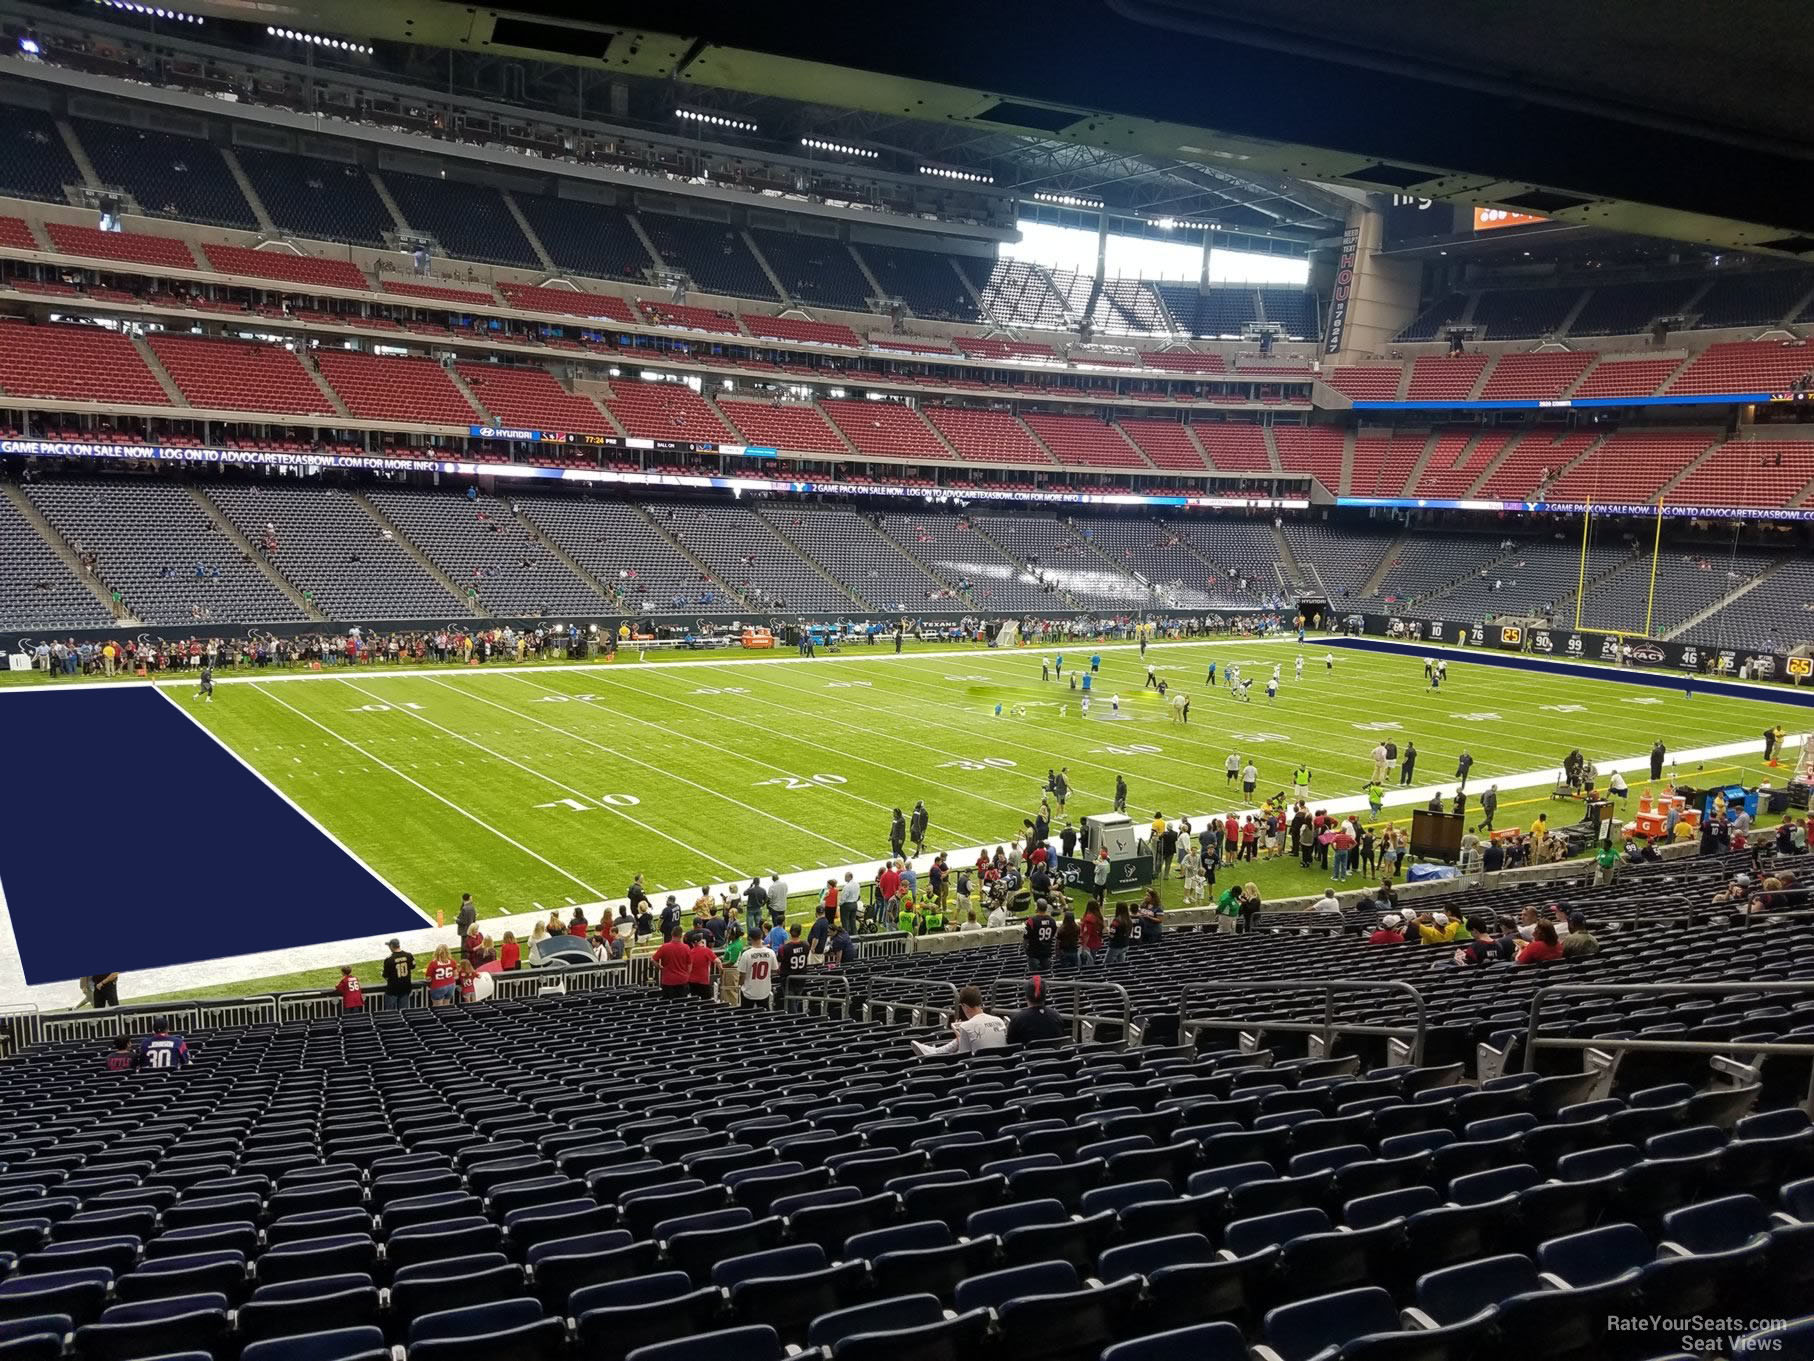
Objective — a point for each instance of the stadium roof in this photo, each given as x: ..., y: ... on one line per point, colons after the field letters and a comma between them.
x: 1667, y: 118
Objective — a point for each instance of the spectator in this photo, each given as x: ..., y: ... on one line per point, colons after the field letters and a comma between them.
x: 120, y: 1060
x: 1482, y: 948
x: 352, y: 996
x: 791, y: 958
x: 510, y: 954
x: 974, y: 1029
x: 1069, y: 936
x: 674, y: 959
x: 1328, y: 903
x: 841, y: 949
x: 1250, y: 907
x: 1089, y: 934
x: 1579, y: 943
x: 466, y: 917
x: 1035, y: 1022
x: 1121, y: 933
x: 1151, y: 916
x: 103, y: 990
x: 1041, y: 936
x: 1435, y: 928
x: 704, y: 968
x: 442, y: 978
x: 1390, y: 930
x: 162, y: 1052
x: 1542, y: 947
x: 399, y: 971
x: 756, y: 975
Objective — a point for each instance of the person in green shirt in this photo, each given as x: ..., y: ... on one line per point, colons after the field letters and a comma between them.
x: 735, y: 946
x: 1228, y: 909
x: 932, y: 919
x: 1376, y: 798
x: 1608, y: 860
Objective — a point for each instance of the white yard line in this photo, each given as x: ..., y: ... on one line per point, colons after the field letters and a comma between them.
x: 1337, y: 715
x: 649, y: 765
x: 973, y: 734
x: 438, y: 798
x: 842, y: 753
x: 558, y: 784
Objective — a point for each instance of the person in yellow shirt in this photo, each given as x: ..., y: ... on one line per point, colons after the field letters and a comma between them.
x: 1435, y: 928
x: 1540, y: 827
x: 1685, y: 831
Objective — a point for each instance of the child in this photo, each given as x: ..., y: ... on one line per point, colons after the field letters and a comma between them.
x: 352, y: 996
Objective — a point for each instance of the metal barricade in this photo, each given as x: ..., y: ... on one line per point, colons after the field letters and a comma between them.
x: 111, y: 1022
x: 1327, y: 1029
x: 1734, y: 1052
x: 521, y: 983
x: 316, y: 1006
x: 818, y: 994
x: 909, y: 1001
x: 235, y: 1011
x: 1071, y: 999
x: 18, y: 1027
x: 884, y: 945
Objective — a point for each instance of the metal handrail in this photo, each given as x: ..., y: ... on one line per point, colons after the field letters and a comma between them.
x: 917, y: 994
x: 1083, y: 1022
x: 816, y: 987
x: 1533, y: 1042
x: 1328, y: 1028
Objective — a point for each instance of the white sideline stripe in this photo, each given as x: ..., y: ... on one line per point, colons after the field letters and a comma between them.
x: 806, y: 884
x: 880, y: 654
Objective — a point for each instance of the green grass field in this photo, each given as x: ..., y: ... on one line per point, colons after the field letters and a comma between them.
x: 556, y: 786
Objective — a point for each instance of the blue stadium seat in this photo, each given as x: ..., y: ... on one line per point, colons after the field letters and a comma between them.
x: 512, y: 1330
x: 695, y: 1251
x: 288, y: 1308
x: 1362, y: 1325
x: 430, y: 1241
x: 148, y: 1327
x: 197, y: 1273
x: 614, y: 1319
x: 1203, y: 1342
x: 565, y: 1265
x: 730, y: 1344
x: 1623, y: 1254
x: 338, y: 1344
x: 309, y: 1257
x: 434, y: 1286
x: 1187, y: 1281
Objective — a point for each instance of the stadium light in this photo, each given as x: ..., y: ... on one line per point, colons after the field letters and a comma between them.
x: 716, y: 120
x: 839, y: 148
x: 1068, y: 200
x: 967, y: 176
x: 316, y: 40
x: 152, y: 11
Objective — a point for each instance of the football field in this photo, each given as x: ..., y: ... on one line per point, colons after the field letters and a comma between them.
x: 539, y: 788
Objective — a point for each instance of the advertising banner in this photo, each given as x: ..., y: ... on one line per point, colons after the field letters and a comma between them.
x: 1342, y: 293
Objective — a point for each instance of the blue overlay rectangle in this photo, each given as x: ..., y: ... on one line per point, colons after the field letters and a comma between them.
x: 133, y: 840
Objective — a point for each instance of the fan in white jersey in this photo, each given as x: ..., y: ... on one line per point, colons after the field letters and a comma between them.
x: 756, y: 966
